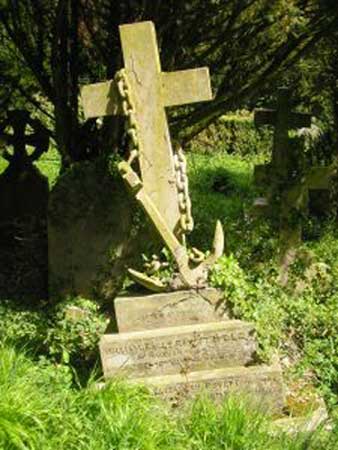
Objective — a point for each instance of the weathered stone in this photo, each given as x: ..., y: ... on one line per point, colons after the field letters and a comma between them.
x: 90, y: 233
x: 289, y: 186
x: 178, y: 349
x: 152, y: 90
x: 170, y: 339
x: 283, y: 120
x: 23, y: 235
x: 307, y: 423
x: 75, y: 313
x: 161, y: 188
x: 170, y: 309
x: 263, y: 383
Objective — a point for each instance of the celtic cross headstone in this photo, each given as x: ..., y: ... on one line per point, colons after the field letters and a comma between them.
x: 24, y: 195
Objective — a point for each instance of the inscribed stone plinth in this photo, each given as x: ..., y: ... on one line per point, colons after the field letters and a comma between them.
x: 171, y: 309
x: 167, y: 351
x: 90, y: 233
x: 262, y: 383
x: 182, y: 343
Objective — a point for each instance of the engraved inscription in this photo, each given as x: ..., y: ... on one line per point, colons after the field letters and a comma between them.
x: 150, y: 354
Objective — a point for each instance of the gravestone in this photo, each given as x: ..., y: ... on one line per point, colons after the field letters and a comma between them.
x: 286, y: 178
x: 179, y: 342
x: 23, y: 204
x: 140, y: 92
x: 91, y: 233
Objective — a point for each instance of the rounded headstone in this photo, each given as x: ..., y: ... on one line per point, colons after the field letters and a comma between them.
x: 91, y: 233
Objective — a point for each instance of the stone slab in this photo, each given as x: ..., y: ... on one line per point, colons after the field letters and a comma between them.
x: 303, y: 424
x: 168, y: 310
x: 178, y: 349
x: 91, y: 236
x: 262, y: 383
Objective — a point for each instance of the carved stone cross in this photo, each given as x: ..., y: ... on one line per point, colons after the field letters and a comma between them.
x: 283, y: 120
x: 278, y: 175
x: 18, y: 120
x: 152, y: 91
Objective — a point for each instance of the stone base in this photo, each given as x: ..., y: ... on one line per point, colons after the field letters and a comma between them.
x: 170, y: 350
x: 168, y: 310
x: 261, y: 383
x: 182, y: 343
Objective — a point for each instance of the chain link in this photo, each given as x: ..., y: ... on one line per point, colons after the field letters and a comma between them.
x: 184, y: 202
x: 128, y: 109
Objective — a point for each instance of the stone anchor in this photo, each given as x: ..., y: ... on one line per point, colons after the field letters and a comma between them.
x: 140, y: 92
x: 180, y: 342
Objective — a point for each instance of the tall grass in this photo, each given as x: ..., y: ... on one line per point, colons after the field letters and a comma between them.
x: 38, y: 411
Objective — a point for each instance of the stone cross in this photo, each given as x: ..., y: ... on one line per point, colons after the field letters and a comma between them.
x: 152, y: 91
x: 39, y: 139
x: 283, y: 120
x: 317, y: 178
x: 294, y: 195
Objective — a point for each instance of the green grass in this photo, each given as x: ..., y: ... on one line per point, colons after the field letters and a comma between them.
x: 48, y: 164
x: 39, y: 410
x: 221, y: 187
x: 301, y: 326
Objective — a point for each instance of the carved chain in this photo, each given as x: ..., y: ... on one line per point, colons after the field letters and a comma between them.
x: 128, y: 109
x: 184, y: 202
x: 180, y: 164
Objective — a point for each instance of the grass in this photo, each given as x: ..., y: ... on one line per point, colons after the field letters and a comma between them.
x: 221, y: 186
x: 48, y: 164
x: 39, y: 410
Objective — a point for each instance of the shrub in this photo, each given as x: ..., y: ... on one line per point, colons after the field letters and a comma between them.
x: 235, y: 134
x: 49, y: 331
x: 299, y: 321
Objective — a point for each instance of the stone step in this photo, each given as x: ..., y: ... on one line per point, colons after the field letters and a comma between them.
x: 170, y: 309
x: 178, y: 349
x: 263, y: 384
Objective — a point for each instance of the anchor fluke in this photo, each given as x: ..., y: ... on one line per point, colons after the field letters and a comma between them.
x: 217, y: 245
x: 152, y: 283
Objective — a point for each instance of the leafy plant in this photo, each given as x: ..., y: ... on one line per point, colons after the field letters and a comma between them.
x: 40, y: 410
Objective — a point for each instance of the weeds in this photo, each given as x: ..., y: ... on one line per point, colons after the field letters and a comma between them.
x: 40, y: 411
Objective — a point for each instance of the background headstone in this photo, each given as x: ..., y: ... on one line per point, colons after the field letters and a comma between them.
x: 23, y: 204
x: 288, y: 180
x: 92, y: 235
